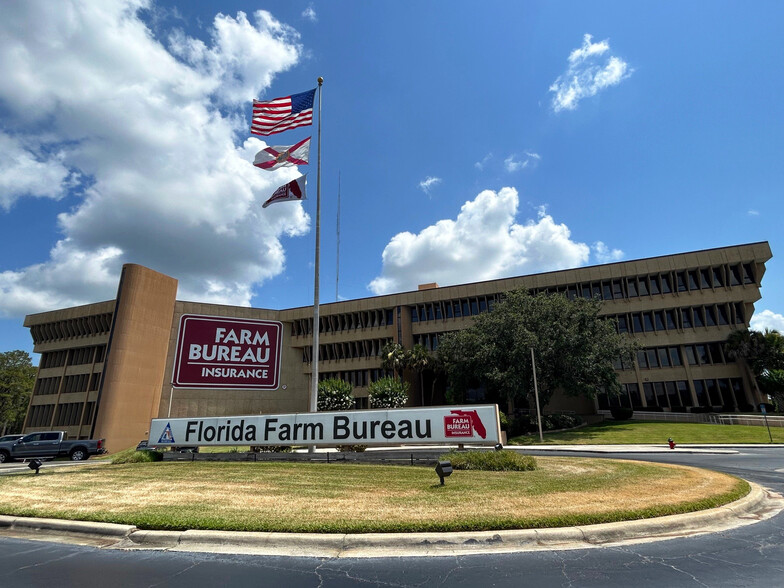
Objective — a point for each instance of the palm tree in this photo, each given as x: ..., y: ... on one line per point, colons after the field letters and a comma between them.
x: 393, y: 357
x: 419, y: 359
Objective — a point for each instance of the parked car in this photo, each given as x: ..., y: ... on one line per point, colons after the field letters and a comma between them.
x: 5, y: 438
x: 50, y: 444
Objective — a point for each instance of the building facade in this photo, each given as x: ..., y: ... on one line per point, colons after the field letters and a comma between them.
x: 106, y: 368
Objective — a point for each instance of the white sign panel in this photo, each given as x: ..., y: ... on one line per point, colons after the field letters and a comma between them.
x: 476, y: 424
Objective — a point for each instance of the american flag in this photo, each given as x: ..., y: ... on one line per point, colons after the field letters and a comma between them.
x: 282, y: 114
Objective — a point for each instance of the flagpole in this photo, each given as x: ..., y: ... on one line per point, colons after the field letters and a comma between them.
x: 315, y: 355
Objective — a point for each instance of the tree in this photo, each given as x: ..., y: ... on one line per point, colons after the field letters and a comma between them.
x: 772, y: 383
x: 762, y: 351
x: 17, y: 377
x: 388, y: 393
x: 419, y: 360
x: 393, y: 357
x: 575, y: 349
x: 334, y: 394
x: 763, y: 355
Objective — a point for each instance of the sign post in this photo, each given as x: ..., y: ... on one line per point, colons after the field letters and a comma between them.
x: 765, y: 416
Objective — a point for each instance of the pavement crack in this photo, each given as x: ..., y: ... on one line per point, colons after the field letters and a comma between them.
x: 46, y: 562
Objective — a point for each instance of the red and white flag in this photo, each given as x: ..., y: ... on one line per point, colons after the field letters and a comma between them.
x: 283, y: 156
x: 282, y: 114
x: 294, y: 190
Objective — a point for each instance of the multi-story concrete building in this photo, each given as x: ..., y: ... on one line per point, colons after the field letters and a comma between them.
x: 106, y: 368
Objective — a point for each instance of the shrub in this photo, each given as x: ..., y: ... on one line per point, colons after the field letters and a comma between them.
x: 270, y: 448
x: 523, y: 423
x: 354, y: 448
x: 334, y: 394
x: 621, y: 413
x: 387, y: 393
x: 133, y: 456
x: 493, y: 461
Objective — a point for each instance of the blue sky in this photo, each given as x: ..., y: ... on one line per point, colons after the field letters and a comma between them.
x: 471, y: 142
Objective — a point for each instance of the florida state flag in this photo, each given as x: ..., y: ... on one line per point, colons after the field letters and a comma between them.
x: 283, y: 155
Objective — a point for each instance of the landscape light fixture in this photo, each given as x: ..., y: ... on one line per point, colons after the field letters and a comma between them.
x: 444, y: 469
x: 35, y: 464
x: 498, y: 447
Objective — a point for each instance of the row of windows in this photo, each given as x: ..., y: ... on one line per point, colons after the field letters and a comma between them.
x: 77, y: 356
x: 70, y: 415
x: 346, y: 350
x: 40, y: 415
x: 79, y: 327
x: 621, y: 288
x: 680, y: 318
x: 661, y: 283
x: 74, y: 383
x: 344, y: 322
x: 672, y: 356
x: 452, y: 308
x: 429, y: 340
x: 356, y: 378
x: 676, y: 395
x: 46, y: 386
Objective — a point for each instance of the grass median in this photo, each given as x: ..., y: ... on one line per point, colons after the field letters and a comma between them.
x: 610, y: 432
x: 347, y: 498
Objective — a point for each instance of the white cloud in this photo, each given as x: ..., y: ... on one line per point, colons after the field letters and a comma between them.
x: 480, y: 165
x: 585, y: 75
x: 527, y: 160
x: 753, y: 212
x: 603, y: 254
x: 482, y: 243
x: 152, y: 134
x: 310, y: 13
x: 31, y: 171
x: 429, y: 182
x: 767, y: 319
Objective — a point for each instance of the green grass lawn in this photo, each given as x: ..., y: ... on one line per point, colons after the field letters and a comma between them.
x: 315, y: 497
x: 610, y: 432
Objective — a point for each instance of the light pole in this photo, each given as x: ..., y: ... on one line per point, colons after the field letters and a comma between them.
x: 536, y: 396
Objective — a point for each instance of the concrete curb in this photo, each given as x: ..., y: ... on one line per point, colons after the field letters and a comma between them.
x: 758, y: 505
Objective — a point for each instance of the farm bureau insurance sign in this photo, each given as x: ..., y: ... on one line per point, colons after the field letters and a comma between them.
x: 220, y: 352
x: 446, y: 424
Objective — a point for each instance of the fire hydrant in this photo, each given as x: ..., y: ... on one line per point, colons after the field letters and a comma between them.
x: 671, y: 442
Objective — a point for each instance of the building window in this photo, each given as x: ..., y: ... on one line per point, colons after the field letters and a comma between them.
x: 675, y: 356
x: 665, y: 284
x: 672, y: 322
x: 683, y: 390
x: 681, y: 278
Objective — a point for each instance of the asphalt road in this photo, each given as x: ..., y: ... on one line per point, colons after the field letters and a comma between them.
x: 752, y: 555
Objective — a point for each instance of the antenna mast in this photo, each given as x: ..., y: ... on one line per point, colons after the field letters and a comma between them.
x: 337, y: 266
